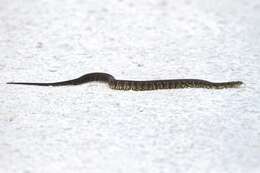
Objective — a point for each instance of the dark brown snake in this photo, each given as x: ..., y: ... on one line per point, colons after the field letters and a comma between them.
x: 140, y: 85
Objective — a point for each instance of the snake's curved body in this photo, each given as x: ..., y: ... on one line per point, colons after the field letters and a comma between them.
x: 140, y: 85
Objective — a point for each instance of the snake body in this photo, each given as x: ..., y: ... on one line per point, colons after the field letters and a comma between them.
x: 140, y: 85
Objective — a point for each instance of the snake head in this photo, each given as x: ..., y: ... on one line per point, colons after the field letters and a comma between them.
x: 237, y: 84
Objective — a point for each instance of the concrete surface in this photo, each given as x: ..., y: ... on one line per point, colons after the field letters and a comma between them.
x: 90, y: 128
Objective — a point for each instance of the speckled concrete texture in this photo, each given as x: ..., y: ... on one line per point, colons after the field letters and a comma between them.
x: 90, y: 128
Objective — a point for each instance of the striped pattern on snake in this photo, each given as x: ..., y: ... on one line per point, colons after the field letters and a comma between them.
x: 140, y: 85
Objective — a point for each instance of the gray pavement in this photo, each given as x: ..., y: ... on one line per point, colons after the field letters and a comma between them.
x: 90, y: 128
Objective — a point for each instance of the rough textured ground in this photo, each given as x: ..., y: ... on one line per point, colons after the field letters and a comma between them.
x: 91, y: 128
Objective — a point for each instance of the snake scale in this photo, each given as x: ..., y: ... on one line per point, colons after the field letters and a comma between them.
x: 140, y: 85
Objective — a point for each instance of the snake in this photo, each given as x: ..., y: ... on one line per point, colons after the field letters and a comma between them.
x: 115, y: 84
